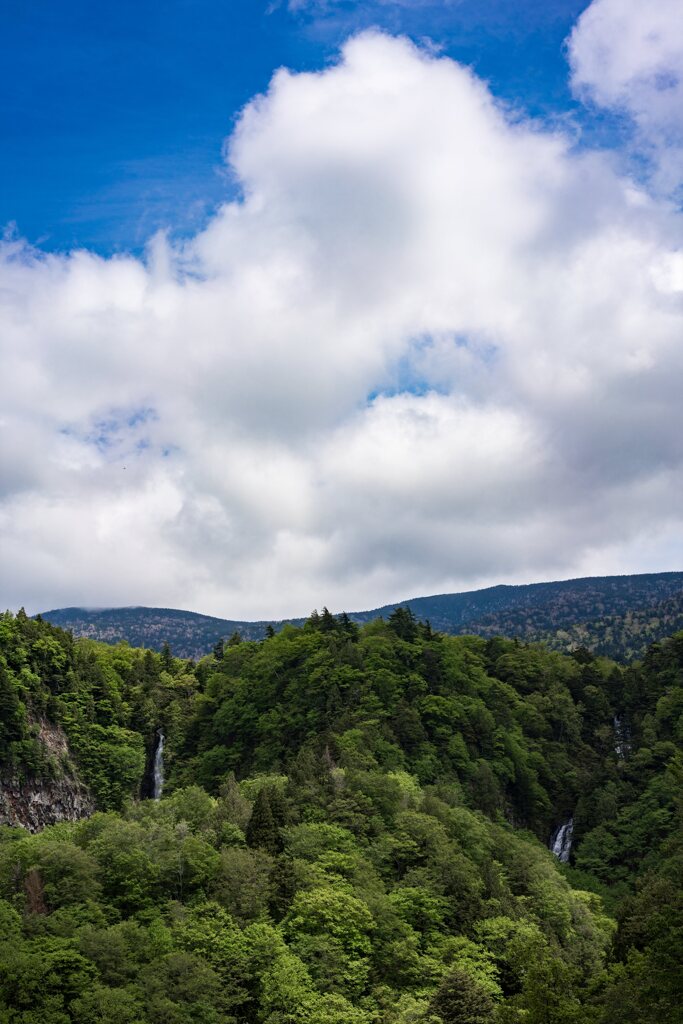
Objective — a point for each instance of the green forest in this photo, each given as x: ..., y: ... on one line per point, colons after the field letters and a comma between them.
x: 353, y: 829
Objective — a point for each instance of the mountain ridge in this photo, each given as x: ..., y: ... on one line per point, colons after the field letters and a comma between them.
x: 533, y: 612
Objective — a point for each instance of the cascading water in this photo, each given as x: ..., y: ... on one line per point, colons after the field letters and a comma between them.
x: 158, y: 775
x: 621, y: 744
x: 561, y: 841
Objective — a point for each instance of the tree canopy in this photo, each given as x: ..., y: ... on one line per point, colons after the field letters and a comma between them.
x: 354, y: 828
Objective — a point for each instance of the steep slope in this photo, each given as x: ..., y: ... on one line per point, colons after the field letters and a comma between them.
x: 77, y: 720
x: 531, y: 612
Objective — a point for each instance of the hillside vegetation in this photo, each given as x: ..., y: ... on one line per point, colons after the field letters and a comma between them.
x: 624, y: 637
x: 354, y: 829
x: 190, y: 634
x: 614, y: 615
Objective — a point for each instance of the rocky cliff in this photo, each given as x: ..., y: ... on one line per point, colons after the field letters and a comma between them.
x: 34, y: 803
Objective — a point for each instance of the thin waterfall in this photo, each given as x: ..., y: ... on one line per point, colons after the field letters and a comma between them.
x: 561, y: 841
x: 158, y: 776
x: 621, y: 744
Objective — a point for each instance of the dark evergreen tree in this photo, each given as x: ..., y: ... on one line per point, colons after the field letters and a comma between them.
x: 262, y: 830
x: 328, y: 623
x: 150, y: 668
x: 278, y: 808
x: 404, y: 624
x: 10, y: 712
x: 219, y: 649
x: 348, y: 626
x: 166, y: 657
x: 313, y: 620
x: 460, y: 1000
x: 333, y: 704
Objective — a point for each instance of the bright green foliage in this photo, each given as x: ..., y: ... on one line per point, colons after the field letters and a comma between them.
x: 329, y: 929
x: 109, y: 702
x: 149, y: 916
x: 353, y: 829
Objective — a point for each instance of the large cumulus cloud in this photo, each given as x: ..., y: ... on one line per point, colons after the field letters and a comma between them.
x: 431, y: 346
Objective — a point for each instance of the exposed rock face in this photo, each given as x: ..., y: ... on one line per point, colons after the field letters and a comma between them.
x: 35, y: 803
x: 39, y: 802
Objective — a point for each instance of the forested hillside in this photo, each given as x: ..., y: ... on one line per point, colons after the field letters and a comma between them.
x: 528, y: 609
x: 624, y: 637
x: 353, y: 829
x: 189, y: 634
x: 614, y: 615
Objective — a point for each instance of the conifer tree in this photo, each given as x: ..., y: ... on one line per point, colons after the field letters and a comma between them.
x: 348, y: 626
x: 166, y: 657
x: 278, y: 807
x: 404, y: 624
x: 460, y: 1000
x: 262, y: 830
x: 328, y: 623
x: 10, y: 711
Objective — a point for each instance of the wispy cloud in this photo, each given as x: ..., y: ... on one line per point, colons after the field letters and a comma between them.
x: 627, y: 56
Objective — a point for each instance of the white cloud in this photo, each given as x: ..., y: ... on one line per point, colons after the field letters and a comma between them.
x: 432, y: 347
x: 627, y: 55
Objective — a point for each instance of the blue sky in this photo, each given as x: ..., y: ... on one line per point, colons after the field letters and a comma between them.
x: 114, y: 115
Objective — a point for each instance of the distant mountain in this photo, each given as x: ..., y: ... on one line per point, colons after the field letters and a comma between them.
x: 614, y: 615
x: 622, y: 637
x: 189, y: 634
x: 532, y: 608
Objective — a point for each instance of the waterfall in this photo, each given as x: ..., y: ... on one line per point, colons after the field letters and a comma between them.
x: 561, y: 841
x: 621, y: 745
x: 158, y: 783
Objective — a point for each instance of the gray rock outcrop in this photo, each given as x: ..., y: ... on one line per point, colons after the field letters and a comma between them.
x: 34, y: 803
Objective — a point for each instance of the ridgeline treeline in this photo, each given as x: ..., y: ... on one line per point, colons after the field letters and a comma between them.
x: 353, y: 831
x: 613, y: 616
